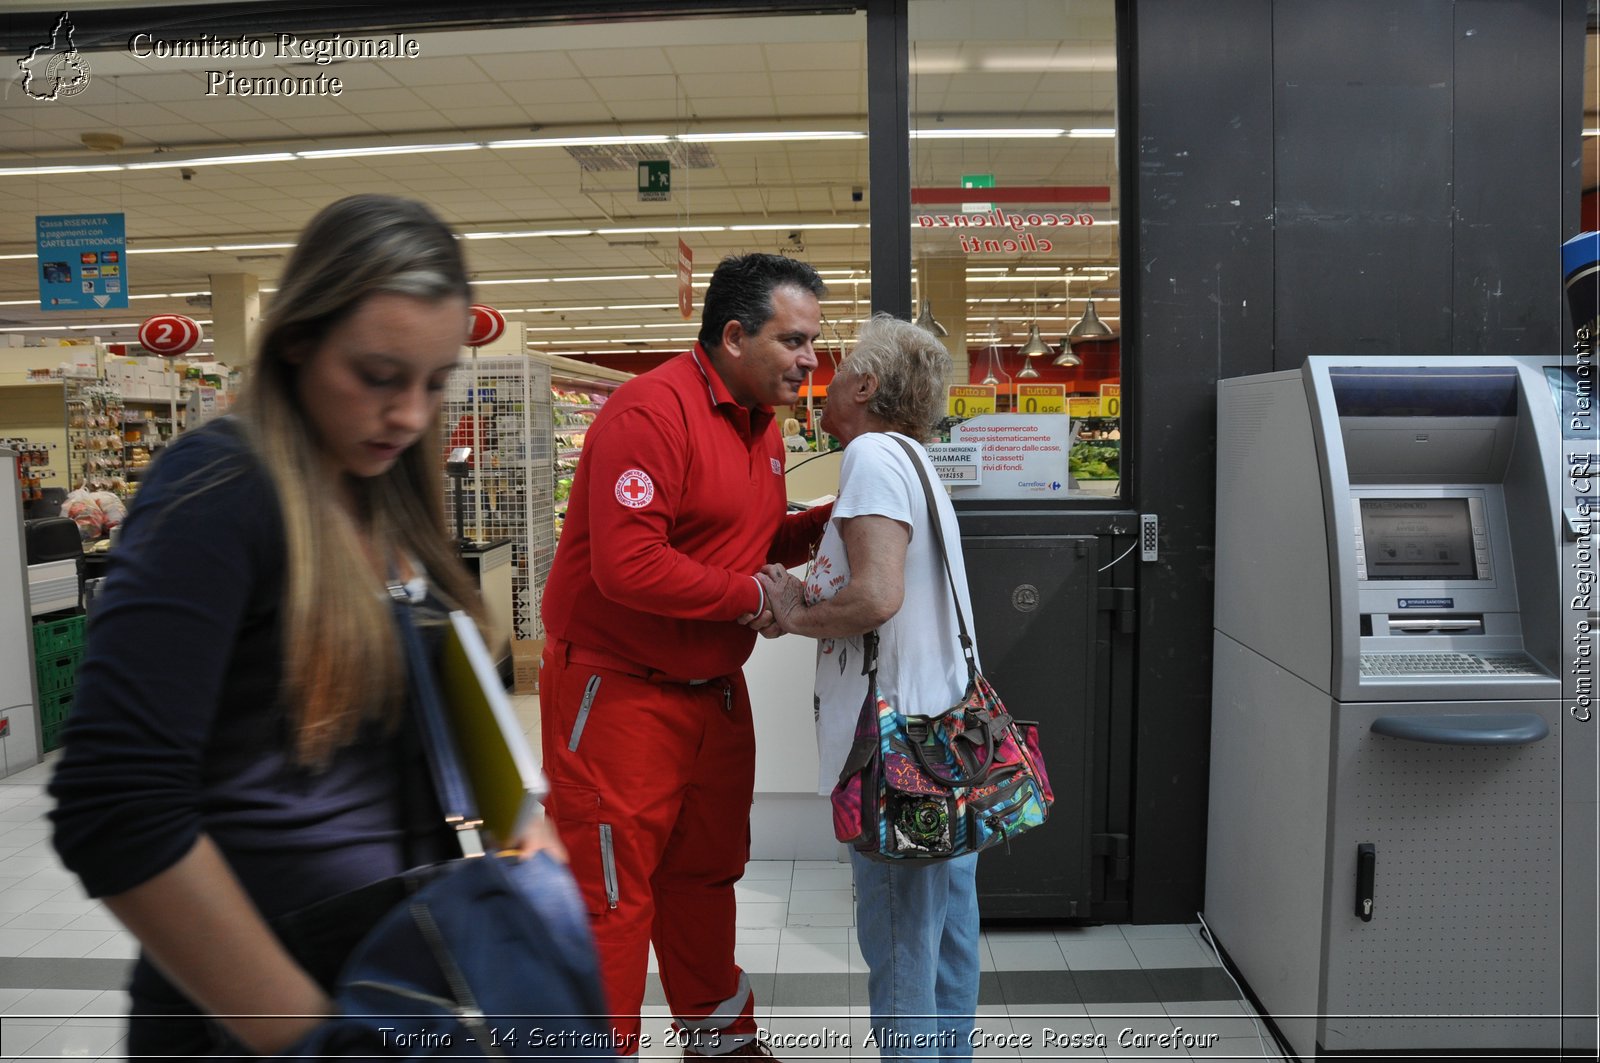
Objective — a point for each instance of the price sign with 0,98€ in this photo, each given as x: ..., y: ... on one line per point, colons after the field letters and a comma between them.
x: 970, y: 400
x: 1041, y: 398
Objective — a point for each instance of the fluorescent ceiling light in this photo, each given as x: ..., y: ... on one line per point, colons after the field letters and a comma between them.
x: 167, y: 250
x: 575, y: 142
x: 44, y: 170
x: 619, y: 277
x: 215, y: 160
x: 251, y: 247
x: 526, y: 234
x: 602, y: 328
x: 664, y: 229
x: 800, y: 226
x: 982, y: 134
x: 1080, y: 60
x: 561, y: 309
x: 1002, y: 280
x: 393, y: 149
x: 754, y: 138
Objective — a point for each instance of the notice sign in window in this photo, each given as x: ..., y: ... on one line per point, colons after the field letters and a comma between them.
x: 1018, y: 456
x: 1418, y: 538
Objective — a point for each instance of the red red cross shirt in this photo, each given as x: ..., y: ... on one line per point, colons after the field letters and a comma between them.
x: 678, y: 500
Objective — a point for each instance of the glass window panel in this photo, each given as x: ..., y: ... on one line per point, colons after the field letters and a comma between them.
x: 1015, y: 214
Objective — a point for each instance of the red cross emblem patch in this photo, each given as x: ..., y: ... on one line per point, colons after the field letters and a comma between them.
x: 634, y: 489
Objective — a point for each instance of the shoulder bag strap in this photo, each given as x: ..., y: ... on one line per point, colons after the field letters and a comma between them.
x: 944, y: 552
x: 455, y: 795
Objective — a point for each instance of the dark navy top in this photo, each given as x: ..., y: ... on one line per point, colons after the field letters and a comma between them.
x: 177, y: 725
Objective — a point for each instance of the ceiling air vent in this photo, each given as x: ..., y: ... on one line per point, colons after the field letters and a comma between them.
x: 592, y: 158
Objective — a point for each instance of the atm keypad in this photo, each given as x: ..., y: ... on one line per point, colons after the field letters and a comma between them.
x: 1403, y: 665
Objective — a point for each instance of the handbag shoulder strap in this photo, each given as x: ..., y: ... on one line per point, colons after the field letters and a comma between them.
x: 944, y: 550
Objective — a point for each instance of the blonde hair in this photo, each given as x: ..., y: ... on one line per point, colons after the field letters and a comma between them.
x: 342, y: 664
x: 910, y: 365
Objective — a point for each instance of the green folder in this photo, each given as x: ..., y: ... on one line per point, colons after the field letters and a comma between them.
x: 494, y: 752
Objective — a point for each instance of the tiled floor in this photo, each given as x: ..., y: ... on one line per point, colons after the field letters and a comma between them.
x: 1117, y: 992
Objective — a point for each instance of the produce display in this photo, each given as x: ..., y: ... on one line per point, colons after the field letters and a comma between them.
x: 1094, y: 460
x: 574, y: 412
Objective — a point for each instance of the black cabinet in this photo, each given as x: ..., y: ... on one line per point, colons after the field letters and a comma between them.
x: 1034, y: 603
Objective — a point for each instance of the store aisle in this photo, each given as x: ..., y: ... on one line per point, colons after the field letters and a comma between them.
x: 1110, y: 992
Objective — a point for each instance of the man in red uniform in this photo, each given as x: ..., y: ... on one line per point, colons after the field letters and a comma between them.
x: 649, y: 610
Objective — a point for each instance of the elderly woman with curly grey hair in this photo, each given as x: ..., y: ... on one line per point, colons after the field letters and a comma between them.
x: 879, y: 568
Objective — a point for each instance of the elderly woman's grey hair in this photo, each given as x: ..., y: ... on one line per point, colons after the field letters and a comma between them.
x: 911, y: 366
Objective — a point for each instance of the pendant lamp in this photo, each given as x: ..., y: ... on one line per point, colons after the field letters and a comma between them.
x: 925, y: 321
x: 1066, y: 357
x: 992, y: 358
x: 1089, y: 327
x: 1027, y: 372
x: 1034, y: 346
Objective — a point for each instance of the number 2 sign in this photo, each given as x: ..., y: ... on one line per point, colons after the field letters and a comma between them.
x: 169, y: 335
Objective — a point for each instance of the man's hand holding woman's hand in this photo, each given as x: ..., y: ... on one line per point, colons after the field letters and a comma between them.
x: 785, y: 596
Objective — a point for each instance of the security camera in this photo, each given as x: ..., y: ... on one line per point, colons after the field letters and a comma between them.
x: 856, y: 194
x: 186, y: 173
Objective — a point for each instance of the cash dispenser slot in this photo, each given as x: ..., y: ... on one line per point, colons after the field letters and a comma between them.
x: 1460, y: 624
x: 1487, y: 729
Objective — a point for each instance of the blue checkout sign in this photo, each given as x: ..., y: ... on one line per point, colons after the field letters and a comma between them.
x: 83, y: 261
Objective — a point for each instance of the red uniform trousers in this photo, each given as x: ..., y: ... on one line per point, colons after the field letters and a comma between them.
x: 651, y: 782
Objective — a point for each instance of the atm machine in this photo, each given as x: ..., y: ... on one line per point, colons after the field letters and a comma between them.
x: 1401, y: 849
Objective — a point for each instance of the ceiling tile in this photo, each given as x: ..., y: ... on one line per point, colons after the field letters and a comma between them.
x: 545, y: 92
x: 600, y: 63
x: 527, y: 65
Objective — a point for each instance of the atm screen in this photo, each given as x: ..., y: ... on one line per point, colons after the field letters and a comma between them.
x: 1418, y: 538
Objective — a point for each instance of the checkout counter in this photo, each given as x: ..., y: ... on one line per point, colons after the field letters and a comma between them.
x: 1401, y: 849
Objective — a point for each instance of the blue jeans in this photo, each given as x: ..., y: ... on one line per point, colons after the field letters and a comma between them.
x: 917, y: 921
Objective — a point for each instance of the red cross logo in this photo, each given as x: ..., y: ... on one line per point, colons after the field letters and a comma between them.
x: 634, y: 489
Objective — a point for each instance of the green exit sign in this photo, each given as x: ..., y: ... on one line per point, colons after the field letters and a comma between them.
x: 655, y: 181
x: 977, y: 180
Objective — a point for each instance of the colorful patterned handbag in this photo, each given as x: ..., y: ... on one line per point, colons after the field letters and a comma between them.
x: 941, y: 785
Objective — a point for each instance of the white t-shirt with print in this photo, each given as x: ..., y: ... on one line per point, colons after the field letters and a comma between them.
x: 920, y: 667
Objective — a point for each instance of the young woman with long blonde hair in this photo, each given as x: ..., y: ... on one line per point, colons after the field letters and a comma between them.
x: 241, y: 748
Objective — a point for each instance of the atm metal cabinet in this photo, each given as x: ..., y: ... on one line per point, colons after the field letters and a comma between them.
x: 1401, y: 846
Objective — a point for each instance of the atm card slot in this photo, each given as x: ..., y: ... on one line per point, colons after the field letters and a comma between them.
x: 1436, y: 625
